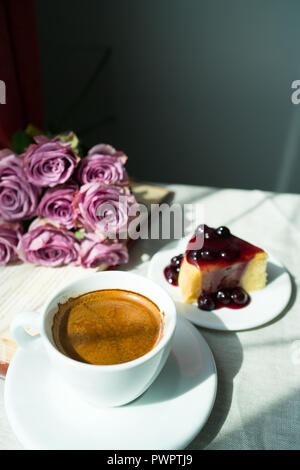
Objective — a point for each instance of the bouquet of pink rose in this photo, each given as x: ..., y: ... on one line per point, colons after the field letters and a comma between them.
x: 74, y: 209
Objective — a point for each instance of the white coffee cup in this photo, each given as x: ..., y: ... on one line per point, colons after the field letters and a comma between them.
x: 101, y: 385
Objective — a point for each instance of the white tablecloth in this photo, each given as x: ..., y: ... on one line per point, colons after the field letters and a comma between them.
x: 258, y: 399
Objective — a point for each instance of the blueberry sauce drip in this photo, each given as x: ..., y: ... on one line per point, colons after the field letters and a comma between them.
x: 234, y: 298
x: 171, y: 271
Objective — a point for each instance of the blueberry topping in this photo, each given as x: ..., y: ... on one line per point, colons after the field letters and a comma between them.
x: 223, y: 232
x: 209, y: 254
x: 239, y: 296
x: 230, y: 253
x: 194, y: 255
x: 209, y: 233
x: 176, y: 260
x: 224, y: 296
x: 206, y: 302
x: 171, y: 274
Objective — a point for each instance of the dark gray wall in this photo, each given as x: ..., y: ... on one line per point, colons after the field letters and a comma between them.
x: 199, y: 90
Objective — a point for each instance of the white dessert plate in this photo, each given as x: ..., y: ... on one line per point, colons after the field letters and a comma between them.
x: 265, y: 305
x: 45, y: 414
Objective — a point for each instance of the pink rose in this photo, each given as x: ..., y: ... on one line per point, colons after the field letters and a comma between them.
x: 94, y: 252
x: 49, y: 162
x: 103, y: 164
x: 105, y: 209
x: 18, y: 198
x: 10, y: 235
x: 47, y: 245
x: 57, y: 205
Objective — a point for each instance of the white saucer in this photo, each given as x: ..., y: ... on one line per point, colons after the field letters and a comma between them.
x: 44, y: 414
x: 265, y: 305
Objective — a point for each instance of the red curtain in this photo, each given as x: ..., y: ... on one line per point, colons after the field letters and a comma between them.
x: 19, y: 68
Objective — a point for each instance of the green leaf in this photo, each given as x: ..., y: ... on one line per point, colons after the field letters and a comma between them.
x: 33, y: 131
x: 72, y: 139
x: 79, y: 235
x: 20, y: 142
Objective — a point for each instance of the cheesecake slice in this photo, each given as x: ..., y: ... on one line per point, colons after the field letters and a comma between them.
x: 215, y: 259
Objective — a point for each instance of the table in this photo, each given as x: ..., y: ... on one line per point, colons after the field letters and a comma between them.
x: 258, y: 399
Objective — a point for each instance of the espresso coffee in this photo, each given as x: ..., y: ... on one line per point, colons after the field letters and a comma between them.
x: 107, y: 327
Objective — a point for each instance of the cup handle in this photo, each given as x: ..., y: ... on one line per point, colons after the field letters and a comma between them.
x: 18, y: 325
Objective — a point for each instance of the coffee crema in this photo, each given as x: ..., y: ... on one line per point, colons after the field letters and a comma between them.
x: 106, y: 327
